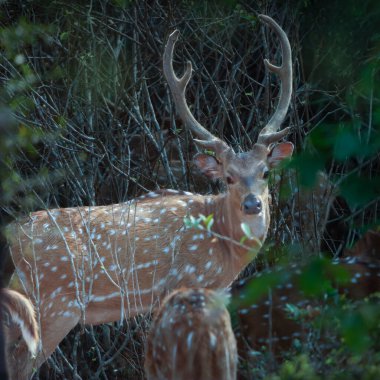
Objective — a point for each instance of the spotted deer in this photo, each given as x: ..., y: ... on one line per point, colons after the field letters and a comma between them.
x: 92, y: 265
x: 191, y: 338
x: 18, y: 310
x: 268, y: 324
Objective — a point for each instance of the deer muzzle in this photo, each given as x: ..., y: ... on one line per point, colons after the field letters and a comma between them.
x: 251, y: 205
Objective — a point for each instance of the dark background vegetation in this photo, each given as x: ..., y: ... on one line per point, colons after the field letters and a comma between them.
x: 86, y: 119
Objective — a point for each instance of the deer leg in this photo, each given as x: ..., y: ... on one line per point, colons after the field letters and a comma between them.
x: 53, y: 331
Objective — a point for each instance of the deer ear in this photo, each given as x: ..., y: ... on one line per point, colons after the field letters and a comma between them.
x: 279, y: 153
x: 208, y: 165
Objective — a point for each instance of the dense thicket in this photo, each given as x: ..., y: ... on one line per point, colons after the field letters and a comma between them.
x: 86, y: 119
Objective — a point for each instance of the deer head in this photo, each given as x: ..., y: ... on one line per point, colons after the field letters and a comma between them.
x: 245, y: 173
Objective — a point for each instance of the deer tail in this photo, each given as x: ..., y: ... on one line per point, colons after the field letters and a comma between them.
x: 22, y: 313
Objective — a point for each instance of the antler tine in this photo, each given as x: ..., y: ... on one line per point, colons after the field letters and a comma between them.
x: 269, y: 133
x: 178, y: 89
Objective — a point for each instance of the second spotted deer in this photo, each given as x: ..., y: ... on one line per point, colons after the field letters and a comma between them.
x: 285, y: 312
x: 191, y: 338
x: 100, y: 264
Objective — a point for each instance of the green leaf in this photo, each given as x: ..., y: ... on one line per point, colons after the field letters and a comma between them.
x: 292, y: 310
x: 359, y: 191
x: 64, y: 36
x: 208, y: 221
x: 346, y: 145
x: 260, y: 286
x: 308, y: 165
x: 247, y: 230
x: 313, y: 280
x: 355, y: 331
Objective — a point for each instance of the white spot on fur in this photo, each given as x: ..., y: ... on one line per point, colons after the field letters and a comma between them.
x: 189, y: 339
x: 56, y: 292
x: 212, y: 340
x: 146, y: 265
x: 51, y: 247
x: 190, y: 268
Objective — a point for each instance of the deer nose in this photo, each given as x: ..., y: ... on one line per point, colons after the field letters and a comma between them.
x: 251, y: 205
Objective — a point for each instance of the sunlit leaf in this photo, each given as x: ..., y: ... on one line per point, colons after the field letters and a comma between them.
x: 246, y: 229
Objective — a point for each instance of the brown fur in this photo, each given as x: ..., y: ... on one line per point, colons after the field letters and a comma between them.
x: 191, y: 338
x: 20, y: 312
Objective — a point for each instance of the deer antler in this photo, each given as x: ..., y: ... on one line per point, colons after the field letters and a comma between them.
x: 269, y: 134
x: 178, y: 90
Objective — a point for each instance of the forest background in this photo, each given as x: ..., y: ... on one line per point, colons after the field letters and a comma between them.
x: 86, y: 119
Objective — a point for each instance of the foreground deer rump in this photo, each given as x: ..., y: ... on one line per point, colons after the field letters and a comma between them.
x: 191, y: 338
x: 101, y: 264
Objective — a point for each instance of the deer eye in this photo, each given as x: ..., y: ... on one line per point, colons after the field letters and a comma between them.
x: 266, y: 174
x: 230, y: 180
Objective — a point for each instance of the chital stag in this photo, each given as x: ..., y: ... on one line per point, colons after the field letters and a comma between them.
x: 105, y: 263
x: 191, y: 338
